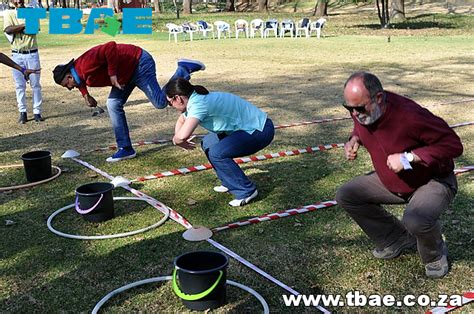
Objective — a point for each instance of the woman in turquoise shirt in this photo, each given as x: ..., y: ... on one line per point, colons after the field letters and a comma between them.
x: 237, y: 128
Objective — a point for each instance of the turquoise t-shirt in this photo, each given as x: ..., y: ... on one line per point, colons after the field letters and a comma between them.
x: 220, y: 112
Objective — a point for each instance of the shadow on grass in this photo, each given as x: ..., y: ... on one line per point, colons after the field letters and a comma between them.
x: 43, y: 272
x: 411, y: 25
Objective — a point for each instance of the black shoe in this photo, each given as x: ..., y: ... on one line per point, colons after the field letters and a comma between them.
x: 38, y: 118
x: 23, y: 118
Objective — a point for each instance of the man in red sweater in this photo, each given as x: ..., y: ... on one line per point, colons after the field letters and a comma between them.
x: 412, y: 151
x: 123, y: 67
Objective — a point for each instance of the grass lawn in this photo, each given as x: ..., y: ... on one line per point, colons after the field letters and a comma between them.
x: 429, y: 58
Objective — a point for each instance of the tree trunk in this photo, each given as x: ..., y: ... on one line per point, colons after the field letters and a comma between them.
x: 383, y: 13
x: 230, y: 5
x: 295, y: 6
x: 157, y: 6
x: 187, y: 6
x: 262, y: 5
x: 398, y: 10
x: 321, y: 8
x: 175, y: 2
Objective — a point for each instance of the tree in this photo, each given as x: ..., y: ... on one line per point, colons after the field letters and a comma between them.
x: 262, y: 5
x: 230, y: 5
x: 321, y: 8
x: 382, y: 11
x: 157, y: 6
x: 175, y: 2
x: 187, y: 6
x: 398, y: 9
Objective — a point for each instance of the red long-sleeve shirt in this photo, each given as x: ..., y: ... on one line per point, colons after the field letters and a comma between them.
x: 406, y: 126
x: 98, y: 64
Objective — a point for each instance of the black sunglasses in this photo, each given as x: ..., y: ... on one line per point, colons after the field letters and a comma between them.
x: 170, y: 102
x: 359, y: 109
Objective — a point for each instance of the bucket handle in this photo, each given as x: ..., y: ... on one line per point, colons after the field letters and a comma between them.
x: 194, y: 297
x: 86, y: 211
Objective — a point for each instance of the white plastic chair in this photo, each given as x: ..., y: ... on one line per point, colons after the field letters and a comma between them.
x: 223, y: 28
x: 256, y: 26
x: 241, y: 26
x: 287, y: 26
x: 174, y: 30
x: 303, y: 26
x: 317, y: 26
x: 205, y: 28
x: 189, y: 28
x: 270, y: 26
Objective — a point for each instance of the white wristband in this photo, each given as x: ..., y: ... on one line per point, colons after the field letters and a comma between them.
x: 405, y: 162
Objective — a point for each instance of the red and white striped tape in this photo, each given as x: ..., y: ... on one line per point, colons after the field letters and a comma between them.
x: 180, y: 219
x: 208, y: 166
x: 463, y: 169
x: 296, y: 211
x: 467, y: 297
x: 277, y: 215
x: 461, y: 124
x: 153, y: 202
x: 282, y: 126
x: 186, y: 170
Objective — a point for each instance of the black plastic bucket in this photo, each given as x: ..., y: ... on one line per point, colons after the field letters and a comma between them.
x: 37, y: 165
x: 202, y: 279
x: 95, y: 201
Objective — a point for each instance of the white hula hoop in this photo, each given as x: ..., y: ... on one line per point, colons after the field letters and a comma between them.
x: 97, y: 307
x: 107, y: 236
x: 28, y: 185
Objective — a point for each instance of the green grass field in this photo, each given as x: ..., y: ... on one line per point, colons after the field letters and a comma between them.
x: 429, y: 58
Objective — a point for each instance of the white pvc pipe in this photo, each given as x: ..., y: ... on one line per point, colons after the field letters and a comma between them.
x: 97, y: 307
x: 101, y: 237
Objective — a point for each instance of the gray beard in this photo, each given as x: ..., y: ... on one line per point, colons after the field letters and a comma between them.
x: 373, y: 117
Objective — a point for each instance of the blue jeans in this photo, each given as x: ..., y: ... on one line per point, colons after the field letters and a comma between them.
x: 144, y: 78
x: 220, y: 150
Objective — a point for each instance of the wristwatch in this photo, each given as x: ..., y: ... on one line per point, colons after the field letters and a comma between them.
x: 409, y: 157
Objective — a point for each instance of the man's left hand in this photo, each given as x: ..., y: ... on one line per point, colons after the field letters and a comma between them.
x: 114, y: 81
x: 394, y: 163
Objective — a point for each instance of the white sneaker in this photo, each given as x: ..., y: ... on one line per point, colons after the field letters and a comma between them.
x: 221, y: 189
x: 242, y: 202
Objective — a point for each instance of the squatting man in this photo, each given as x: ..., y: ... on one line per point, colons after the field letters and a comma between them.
x: 412, y: 152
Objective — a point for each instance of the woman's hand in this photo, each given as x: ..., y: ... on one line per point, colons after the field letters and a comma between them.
x: 188, y: 144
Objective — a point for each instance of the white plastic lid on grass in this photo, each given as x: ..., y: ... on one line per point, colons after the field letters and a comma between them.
x: 120, y: 181
x: 70, y: 154
x: 197, y: 234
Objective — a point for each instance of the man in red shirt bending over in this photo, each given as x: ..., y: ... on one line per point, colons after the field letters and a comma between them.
x: 412, y: 151
x: 123, y: 67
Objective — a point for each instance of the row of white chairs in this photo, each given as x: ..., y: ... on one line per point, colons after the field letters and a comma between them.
x: 265, y: 28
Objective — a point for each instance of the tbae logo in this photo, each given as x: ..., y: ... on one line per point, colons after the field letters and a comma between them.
x: 68, y: 21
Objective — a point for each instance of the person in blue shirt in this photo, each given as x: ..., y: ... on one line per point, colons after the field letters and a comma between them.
x: 237, y: 128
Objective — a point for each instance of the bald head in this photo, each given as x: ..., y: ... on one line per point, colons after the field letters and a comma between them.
x: 364, y: 80
x: 355, y: 91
